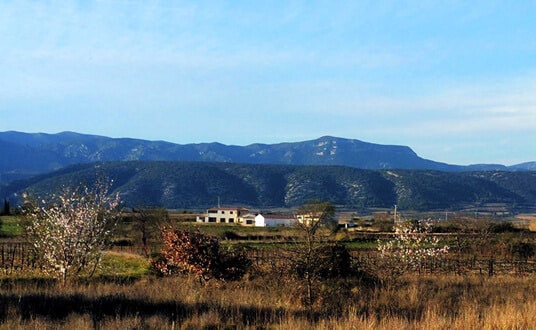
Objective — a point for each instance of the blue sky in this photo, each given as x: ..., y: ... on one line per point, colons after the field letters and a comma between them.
x: 454, y: 80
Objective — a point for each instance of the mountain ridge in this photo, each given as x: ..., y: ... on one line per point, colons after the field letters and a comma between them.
x: 26, y: 154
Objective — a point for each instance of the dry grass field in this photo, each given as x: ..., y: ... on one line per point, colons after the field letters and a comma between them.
x: 136, y: 299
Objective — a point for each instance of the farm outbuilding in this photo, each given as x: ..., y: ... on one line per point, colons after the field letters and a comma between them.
x: 274, y: 220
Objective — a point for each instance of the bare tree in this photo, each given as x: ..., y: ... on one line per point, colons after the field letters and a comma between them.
x: 148, y: 222
x: 309, y: 258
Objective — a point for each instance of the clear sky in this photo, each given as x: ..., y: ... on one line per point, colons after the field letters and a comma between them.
x: 453, y: 80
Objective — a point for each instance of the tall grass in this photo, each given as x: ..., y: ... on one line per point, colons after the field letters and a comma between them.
x: 266, y: 301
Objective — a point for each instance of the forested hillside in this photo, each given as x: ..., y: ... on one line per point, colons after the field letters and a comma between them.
x: 200, y: 185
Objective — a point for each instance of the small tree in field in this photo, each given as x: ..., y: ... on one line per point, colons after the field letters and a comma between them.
x: 196, y: 253
x: 411, y: 246
x: 7, y: 210
x: 69, y: 231
x: 309, y: 261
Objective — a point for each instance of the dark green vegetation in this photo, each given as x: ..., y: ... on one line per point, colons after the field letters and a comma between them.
x: 198, y: 185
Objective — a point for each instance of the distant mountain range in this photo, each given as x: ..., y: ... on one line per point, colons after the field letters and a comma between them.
x: 27, y: 154
x: 349, y: 173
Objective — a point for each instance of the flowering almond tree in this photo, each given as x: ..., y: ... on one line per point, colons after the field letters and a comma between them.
x: 411, y: 246
x: 69, y: 231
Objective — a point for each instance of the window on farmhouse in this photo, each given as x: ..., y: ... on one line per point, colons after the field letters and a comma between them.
x: 211, y: 219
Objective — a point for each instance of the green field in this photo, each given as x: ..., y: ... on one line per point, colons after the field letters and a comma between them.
x: 10, y: 227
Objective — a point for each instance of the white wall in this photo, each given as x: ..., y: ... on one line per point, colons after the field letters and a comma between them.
x: 261, y: 221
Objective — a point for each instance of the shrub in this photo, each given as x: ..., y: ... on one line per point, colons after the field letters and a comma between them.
x: 522, y: 250
x: 325, y: 262
x: 199, y: 254
x: 503, y: 227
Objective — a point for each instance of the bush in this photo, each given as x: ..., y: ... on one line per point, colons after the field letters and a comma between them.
x: 335, y: 262
x: 320, y: 270
x: 503, y: 227
x: 196, y: 253
x: 522, y: 250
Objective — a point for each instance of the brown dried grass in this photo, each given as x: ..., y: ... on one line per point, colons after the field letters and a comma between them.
x: 433, y: 302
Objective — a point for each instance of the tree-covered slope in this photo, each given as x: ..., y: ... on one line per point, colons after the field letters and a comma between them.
x: 202, y: 184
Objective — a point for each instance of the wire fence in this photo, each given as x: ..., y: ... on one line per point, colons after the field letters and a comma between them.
x: 15, y: 257
x: 459, y: 265
x: 19, y: 257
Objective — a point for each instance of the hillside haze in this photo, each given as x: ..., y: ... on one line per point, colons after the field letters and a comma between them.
x: 27, y: 154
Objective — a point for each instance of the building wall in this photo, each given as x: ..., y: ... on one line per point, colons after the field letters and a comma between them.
x: 262, y: 221
x: 221, y: 215
x: 307, y: 219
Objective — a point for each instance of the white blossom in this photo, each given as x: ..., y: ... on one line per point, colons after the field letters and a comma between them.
x: 69, y: 232
x: 412, y: 245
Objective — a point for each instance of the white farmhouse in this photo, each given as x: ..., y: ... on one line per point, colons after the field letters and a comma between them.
x: 222, y: 215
